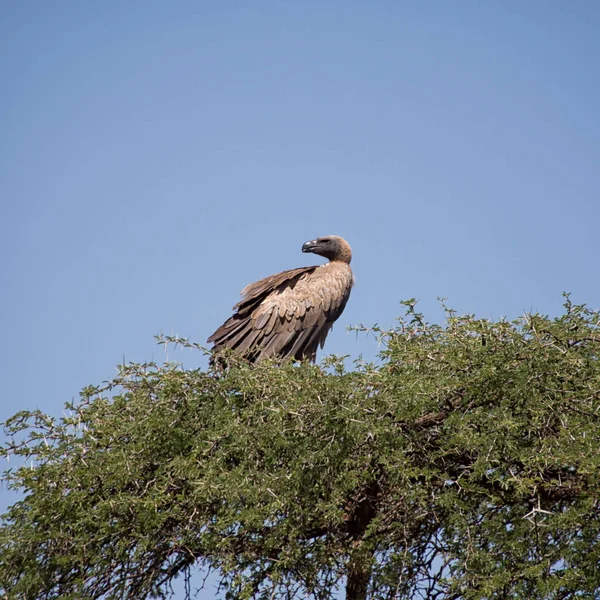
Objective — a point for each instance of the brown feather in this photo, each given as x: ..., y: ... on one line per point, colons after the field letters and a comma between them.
x: 261, y: 320
x: 288, y: 314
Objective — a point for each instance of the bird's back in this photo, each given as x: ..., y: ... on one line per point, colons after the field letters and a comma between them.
x: 288, y: 314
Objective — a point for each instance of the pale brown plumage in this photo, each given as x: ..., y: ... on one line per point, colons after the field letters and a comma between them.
x: 290, y: 314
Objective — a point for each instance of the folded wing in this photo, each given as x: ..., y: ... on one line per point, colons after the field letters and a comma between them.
x: 286, y: 315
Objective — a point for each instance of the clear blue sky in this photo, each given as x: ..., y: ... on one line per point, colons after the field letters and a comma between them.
x: 155, y: 157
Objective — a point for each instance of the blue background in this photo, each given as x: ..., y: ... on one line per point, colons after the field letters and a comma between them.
x: 156, y: 157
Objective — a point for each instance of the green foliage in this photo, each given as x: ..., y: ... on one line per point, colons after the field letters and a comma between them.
x: 464, y: 464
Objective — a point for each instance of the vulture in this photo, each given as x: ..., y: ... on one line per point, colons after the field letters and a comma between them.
x: 288, y: 315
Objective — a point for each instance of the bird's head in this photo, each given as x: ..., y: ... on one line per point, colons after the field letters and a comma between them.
x: 332, y: 247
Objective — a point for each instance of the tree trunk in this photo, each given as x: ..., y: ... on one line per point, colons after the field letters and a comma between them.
x: 359, y: 564
x: 358, y: 582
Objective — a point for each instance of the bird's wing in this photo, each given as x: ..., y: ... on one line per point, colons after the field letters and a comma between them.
x: 254, y: 293
x: 286, y: 315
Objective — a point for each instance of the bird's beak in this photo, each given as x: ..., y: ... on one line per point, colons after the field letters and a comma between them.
x: 310, y: 246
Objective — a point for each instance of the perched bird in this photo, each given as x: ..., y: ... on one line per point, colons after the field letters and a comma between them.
x: 290, y: 314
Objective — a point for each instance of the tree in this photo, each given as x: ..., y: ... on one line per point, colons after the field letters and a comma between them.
x: 464, y: 464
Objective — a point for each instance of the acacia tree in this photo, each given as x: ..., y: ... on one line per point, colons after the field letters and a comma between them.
x: 464, y: 464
